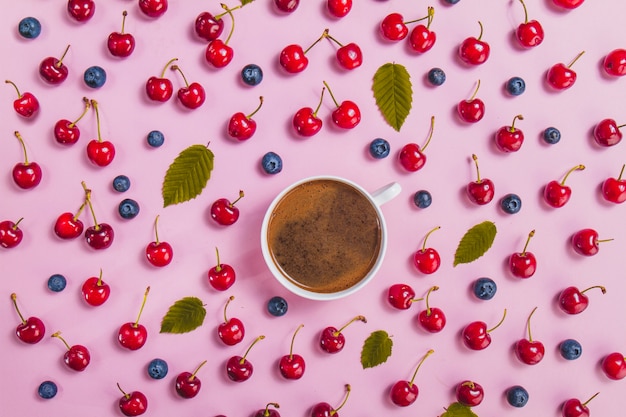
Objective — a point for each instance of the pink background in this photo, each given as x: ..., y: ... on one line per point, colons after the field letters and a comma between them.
x: 260, y: 34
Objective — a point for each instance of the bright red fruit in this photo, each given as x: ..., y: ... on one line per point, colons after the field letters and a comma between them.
x: 472, y: 110
x: 401, y: 296
x: 422, y: 39
x: 332, y: 340
x: 469, y: 393
x: 267, y: 412
x: 187, y: 384
x: 482, y: 190
x: 474, y: 51
x: 287, y: 6
x: 242, y: 127
x: 133, y: 335
x: 133, y: 403
x: 224, y: 212
x: 26, y: 104
x: 218, y: 53
x: 27, y: 174
x: 209, y: 27
x: 305, y: 121
x: 411, y: 156
x: 53, y: 70
x: 530, y: 351
x: 568, y: 4
x: 153, y: 8
x: 159, y: 253
x: 10, y: 233
x: 30, y: 330
x: 68, y: 225
x: 393, y: 27
x: 76, y: 357
x: 523, y: 264
x: 574, y: 408
x: 614, y: 366
x: 339, y: 8
x: 100, y: 152
x: 585, y: 242
x: 508, y: 138
x: 95, y: 291
x: 557, y: 194
x: 615, y: 63
x: 231, y: 331
x: 240, y: 369
x: 65, y: 131
x: 160, y: 88
x: 432, y: 319
x: 476, y: 336
x: 293, y: 59
x: 349, y: 56
x: 292, y: 366
x: 324, y: 409
x: 347, y: 115
x: 404, y: 393
x: 607, y: 132
x: 614, y: 189
x: 191, y: 95
x: 574, y: 301
x: 121, y: 44
x: 100, y: 235
x: 530, y: 33
x: 427, y: 260
x: 221, y: 276
x: 561, y: 76
x: 81, y: 10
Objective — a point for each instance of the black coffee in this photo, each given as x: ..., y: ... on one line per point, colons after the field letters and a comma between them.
x: 324, y: 236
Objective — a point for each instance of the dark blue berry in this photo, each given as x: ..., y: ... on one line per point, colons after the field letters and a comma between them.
x: 47, y: 390
x: 277, y: 306
x: 121, y: 183
x: 29, y: 27
x: 552, y: 135
x: 515, y: 86
x: 517, y: 396
x: 57, y: 283
x: 128, y: 208
x: 485, y: 288
x: 422, y: 199
x: 511, y: 203
x: 570, y: 349
x: 95, y: 76
x: 379, y: 148
x: 272, y: 163
x: 252, y: 74
x: 452, y: 1
x: 436, y: 76
x: 157, y: 368
x: 155, y: 138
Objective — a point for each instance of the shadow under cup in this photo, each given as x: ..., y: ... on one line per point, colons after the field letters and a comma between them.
x: 323, y: 238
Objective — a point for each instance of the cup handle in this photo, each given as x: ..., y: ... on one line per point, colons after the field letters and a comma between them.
x: 386, y: 193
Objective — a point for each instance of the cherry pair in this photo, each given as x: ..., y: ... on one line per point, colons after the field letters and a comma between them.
x: 422, y: 38
x: 161, y: 89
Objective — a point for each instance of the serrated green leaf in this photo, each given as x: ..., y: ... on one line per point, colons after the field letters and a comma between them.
x: 458, y: 410
x: 187, y: 176
x: 376, y: 349
x: 475, y: 243
x: 244, y: 2
x: 183, y: 316
x: 393, y: 93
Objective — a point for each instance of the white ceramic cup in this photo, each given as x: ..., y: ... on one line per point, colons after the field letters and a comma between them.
x: 376, y: 198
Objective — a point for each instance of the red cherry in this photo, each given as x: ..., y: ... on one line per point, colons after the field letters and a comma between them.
x: 324, y: 409
x: 53, y: 70
x: 159, y: 253
x: 266, y: 412
x: 133, y: 403
x: 240, y: 369
x: 574, y: 301
x: 476, y: 336
x: 81, y: 10
x: 209, y: 27
x: 27, y: 174
x: 404, y: 393
x: 26, y: 104
x: 242, y: 127
x: 523, y: 264
x: 585, y: 242
x: 218, y: 53
x: 287, y: 6
x: 221, y: 276
x: 568, y: 4
x: 292, y: 366
x: 482, y: 190
x: 614, y: 63
x: 422, y: 39
x: 562, y: 77
x: 293, y: 58
x: 100, y: 152
x: 95, y: 291
x: 339, y: 8
x: 530, y: 33
x: 508, y: 138
x: 393, y: 27
x: 349, y: 56
x: 192, y: 95
x: 10, y: 234
x: 30, y: 330
x: 469, y: 393
x: 68, y: 225
x: 306, y: 122
x: 121, y: 44
x: 230, y: 331
x: 133, y: 335
x: 401, y: 296
x: 100, y: 235
x: 474, y: 51
x: 574, y: 408
x: 557, y: 194
x: 411, y: 156
x: 473, y: 109
x: 614, y: 189
x: 529, y: 351
x: 614, y: 366
x: 332, y: 339
x: 187, y: 384
x: 432, y: 319
x: 427, y: 260
x: 76, y: 357
x: 65, y: 131
x: 607, y: 133
x: 153, y: 8
x: 160, y: 88
x: 224, y: 212
x: 347, y: 114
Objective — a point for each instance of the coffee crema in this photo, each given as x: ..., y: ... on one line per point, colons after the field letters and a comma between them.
x: 324, y: 236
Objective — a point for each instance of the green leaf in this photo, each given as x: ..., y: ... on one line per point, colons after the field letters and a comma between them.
x: 183, y: 316
x: 458, y: 410
x: 475, y: 243
x: 393, y: 93
x: 376, y: 349
x: 187, y: 175
x: 244, y: 2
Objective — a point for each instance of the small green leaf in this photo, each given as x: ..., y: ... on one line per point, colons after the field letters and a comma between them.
x: 183, y: 316
x: 244, y: 2
x: 458, y: 410
x: 393, y: 93
x: 187, y: 176
x: 376, y: 349
x: 475, y: 243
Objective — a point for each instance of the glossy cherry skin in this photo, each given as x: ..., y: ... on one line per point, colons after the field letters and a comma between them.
x: 287, y: 6
x: 560, y: 77
x: 100, y: 237
x: 331, y: 340
x: 585, y: 242
x: 572, y: 301
x: 187, y: 385
x: 614, y: 190
x: 427, y: 261
x: 422, y: 39
x: 77, y: 357
x: 568, y: 4
x: 400, y: 296
x: 523, y: 265
x: 53, y: 71
x: 411, y: 157
x: 153, y: 8
x: 239, y: 369
x: 393, y: 28
x: 339, y: 8
x: 120, y: 44
x: 404, y: 393
x: 529, y: 352
x: 574, y: 408
x: 231, y: 331
x: 134, y: 403
x: 218, y: 53
x: 100, y: 153
x: 291, y: 366
x: 192, y: 96
x: 222, y: 277
x: 293, y: 59
x: 471, y: 111
x: 306, y: 122
x: 556, y: 194
x: 350, y: 56
x: 323, y: 410
x: 241, y: 127
x: 10, y: 234
x: 26, y: 105
x: 475, y: 335
x: 95, y: 291
x: 614, y: 366
x: 473, y: 51
x: 31, y: 331
x: 223, y: 212
x: 65, y: 132
x: 27, y: 176
x: 68, y: 227
x: 530, y: 33
x: 481, y: 192
x: 469, y: 393
x: 81, y: 10
x: 159, y: 89
x: 159, y: 254
x: 347, y: 115
x: 208, y: 27
x: 614, y: 63
x: 509, y: 139
x: 132, y: 336
x: 432, y: 320
x: 607, y: 133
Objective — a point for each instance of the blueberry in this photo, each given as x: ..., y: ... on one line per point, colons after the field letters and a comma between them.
x: 485, y: 288
x: 570, y: 349
x: 128, y: 208
x: 511, y: 203
x: 57, y: 282
x: 29, y: 27
x: 277, y: 306
x: 252, y: 74
x: 121, y: 183
x: 452, y: 1
x: 157, y: 368
x: 155, y: 138
x: 95, y: 76
x: 515, y: 86
x: 379, y: 148
x: 552, y: 135
x: 272, y: 163
x: 422, y: 199
x: 517, y: 396
x: 47, y: 390
x: 436, y: 76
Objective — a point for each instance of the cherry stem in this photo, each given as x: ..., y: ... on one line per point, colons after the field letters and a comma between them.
x: 88, y: 200
x: 80, y: 210
x: 124, y: 14
x: 232, y: 26
x: 193, y: 375
x: 431, y: 289
x: 238, y: 198
x: 257, y: 109
x: 243, y: 358
x: 94, y: 104
x: 516, y: 118
x: 426, y: 237
x: 481, y: 30
x: 266, y: 413
x: 331, y: 93
x: 156, y: 229
x: 167, y: 66
x: 592, y: 397
x: 499, y: 323
x: 430, y: 133
x: 430, y: 352
x: 600, y: 287
x: 143, y: 304
x: 14, y: 86
x: 17, y: 223
x: 357, y: 318
x: 576, y: 168
x: 475, y: 158
x: 320, y: 104
x: 14, y: 299
x: 475, y: 91
x: 470, y: 384
x: 333, y: 39
x: 525, y: 11
x: 530, y: 337
x: 345, y: 399
x: 99, y: 283
x: 621, y: 172
x: 575, y: 59
x: 58, y: 336
x: 293, y: 338
x: 85, y: 109
x: 530, y: 235
x: 324, y: 35
x: 231, y: 298
x: 177, y: 68
x: 218, y: 267
x: 219, y: 16
x: 122, y: 391
x: 19, y: 137
x: 429, y: 16
x: 60, y: 62
x: 621, y: 126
